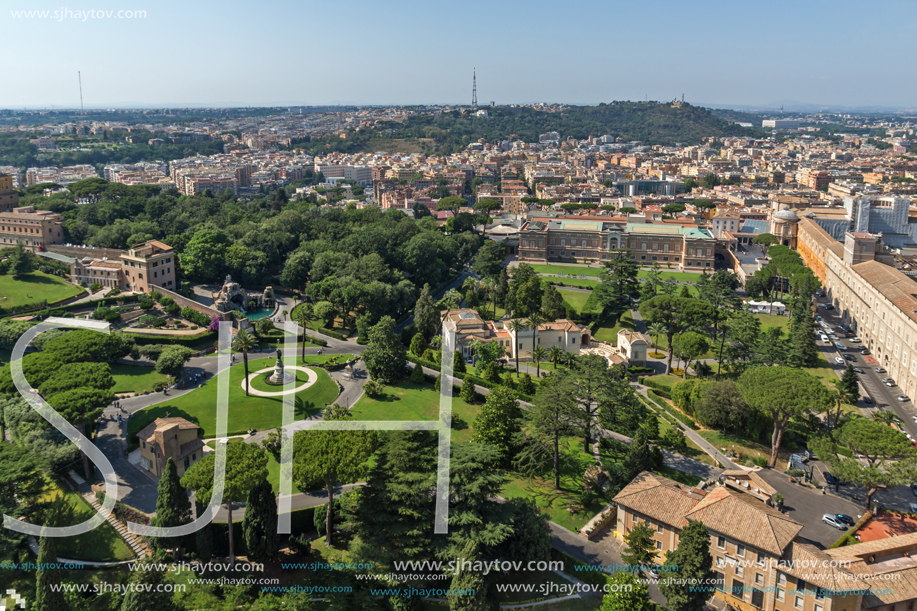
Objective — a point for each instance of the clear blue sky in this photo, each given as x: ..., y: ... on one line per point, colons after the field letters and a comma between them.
x: 835, y: 52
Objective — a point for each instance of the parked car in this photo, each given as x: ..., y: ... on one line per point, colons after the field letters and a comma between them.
x: 914, y: 489
x: 830, y: 478
x: 828, y: 306
x: 850, y: 357
x: 840, y: 346
x: 867, y: 400
x: 863, y: 351
x: 832, y: 520
x: 857, y: 370
x: 879, y: 370
x: 856, y: 340
x: 890, y: 383
x: 843, y: 517
x: 903, y: 398
x: 886, y: 379
x: 838, y: 360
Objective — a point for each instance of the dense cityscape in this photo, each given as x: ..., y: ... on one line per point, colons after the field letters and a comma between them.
x: 344, y: 337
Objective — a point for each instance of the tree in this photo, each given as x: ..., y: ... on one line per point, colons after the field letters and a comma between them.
x: 890, y: 458
x: 535, y: 319
x: 204, y: 255
x: 770, y: 348
x: 418, y: 344
x: 385, y: 356
x: 765, y: 240
x: 147, y: 593
x: 592, y: 383
x: 259, y: 526
x: 555, y: 354
x: 694, y: 562
x: 627, y: 593
x: 549, y: 418
x: 639, y: 457
x: 458, y: 362
x: 515, y: 326
x: 721, y: 406
x: 203, y: 537
x: 172, y: 505
x: 689, y: 346
x: 325, y: 311
x: 246, y: 466
x: 171, y: 361
x: 498, y: 422
x: 469, y: 393
x: 302, y: 316
x: 619, y: 285
x: 48, y: 576
x: 468, y: 590
x: 674, y: 313
x: 552, y: 304
x: 296, y: 269
x: 327, y: 456
x: 426, y: 317
x: 803, y: 352
x: 783, y: 393
x: 21, y: 261
x: 641, y: 548
x: 245, y: 342
x: 452, y: 203
x: 655, y: 329
x: 539, y: 355
x: 489, y: 260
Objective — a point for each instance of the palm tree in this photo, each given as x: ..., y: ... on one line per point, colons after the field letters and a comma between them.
x: 656, y: 329
x: 886, y: 417
x: 535, y: 319
x: 556, y: 353
x: 303, y: 316
x: 516, y: 325
x: 243, y: 342
x: 539, y: 354
x: 490, y: 288
x: 453, y: 298
x: 568, y: 358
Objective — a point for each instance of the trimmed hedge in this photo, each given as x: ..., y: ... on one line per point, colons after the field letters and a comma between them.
x: 847, y: 538
x: 662, y: 391
x: 86, y: 305
x: 144, y: 339
x: 675, y: 413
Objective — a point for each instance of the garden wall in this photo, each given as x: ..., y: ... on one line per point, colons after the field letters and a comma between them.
x: 190, y: 303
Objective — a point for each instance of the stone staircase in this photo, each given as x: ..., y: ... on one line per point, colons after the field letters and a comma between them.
x: 137, y: 546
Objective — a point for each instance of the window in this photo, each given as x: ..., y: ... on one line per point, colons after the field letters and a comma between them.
x: 720, y: 562
x: 738, y: 588
x: 781, y: 579
x: 759, y: 579
x: 719, y: 579
x: 659, y: 528
x: 818, y: 608
x: 760, y: 559
x: 779, y: 593
x: 740, y: 570
x: 798, y: 602
x: 187, y: 463
x: 689, y: 264
x: 721, y: 542
x: 143, y: 444
x: 659, y: 545
x: 643, y: 257
x: 655, y: 258
x: 740, y: 550
x: 819, y: 595
x: 757, y: 598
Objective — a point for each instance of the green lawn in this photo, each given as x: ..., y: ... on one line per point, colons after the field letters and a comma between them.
x: 603, y: 333
x: 407, y: 401
x: 573, y: 463
x: 581, y: 282
x: 772, y: 320
x: 581, y: 270
x: 245, y: 413
x: 259, y: 383
x: 101, y: 544
x: 133, y: 378
x: 666, y: 380
x: 578, y: 300
x: 33, y: 288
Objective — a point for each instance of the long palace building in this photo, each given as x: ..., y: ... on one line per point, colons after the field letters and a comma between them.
x: 580, y: 238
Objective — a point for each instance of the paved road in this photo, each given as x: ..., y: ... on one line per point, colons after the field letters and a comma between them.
x: 134, y: 488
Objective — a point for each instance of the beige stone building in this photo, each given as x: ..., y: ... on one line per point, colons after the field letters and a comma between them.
x: 165, y: 438
x: 34, y: 229
x: 140, y: 269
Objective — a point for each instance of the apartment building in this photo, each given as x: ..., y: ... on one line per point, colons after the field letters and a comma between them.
x: 9, y: 197
x: 687, y: 247
x: 875, y: 299
x: 140, y: 269
x: 34, y: 229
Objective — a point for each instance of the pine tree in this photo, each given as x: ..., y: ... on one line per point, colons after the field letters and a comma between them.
x: 849, y: 386
x: 173, y: 508
x: 552, y: 304
x: 385, y: 356
x: 639, y: 456
x: 466, y: 580
x: 47, y: 599
x: 803, y: 352
x: 635, y: 597
x: 417, y: 375
x: 426, y: 317
x: 259, y: 526
x: 694, y: 564
x: 147, y: 598
x: 498, y: 422
x: 458, y: 363
x: 469, y: 394
x: 203, y: 538
x: 641, y: 548
x: 418, y: 344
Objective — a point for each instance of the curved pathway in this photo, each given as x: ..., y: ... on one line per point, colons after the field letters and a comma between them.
x: 313, y: 378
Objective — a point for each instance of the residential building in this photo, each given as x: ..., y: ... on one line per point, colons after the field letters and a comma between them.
x: 166, y: 438
x: 34, y: 229
x: 9, y: 196
x: 140, y: 269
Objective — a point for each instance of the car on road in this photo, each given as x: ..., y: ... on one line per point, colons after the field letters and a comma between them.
x: 913, y: 507
x: 651, y: 573
x: 863, y: 351
x: 843, y: 517
x: 867, y: 400
x: 903, y: 398
x: 850, y: 357
x: 879, y: 370
x: 857, y: 370
x: 890, y: 383
x: 828, y: 306
x: 838, y: 360
x: 832, y: 520
x: 830, y: 478
x: 856, y: 340
x: 885, y: 379
x: 840, y: 346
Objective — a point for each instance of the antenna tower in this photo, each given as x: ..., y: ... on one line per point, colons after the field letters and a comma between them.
x: 474, y: 89
x: 80, y: 77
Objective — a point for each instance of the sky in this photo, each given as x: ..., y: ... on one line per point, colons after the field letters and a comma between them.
x: 285, y: 52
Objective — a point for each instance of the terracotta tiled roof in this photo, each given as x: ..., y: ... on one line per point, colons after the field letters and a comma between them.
x: 755, y: 479
x: 892, y: 284
x: 742, y: 517
x: 146, y: 433
x: 807, y: 562
x: 658, y: 498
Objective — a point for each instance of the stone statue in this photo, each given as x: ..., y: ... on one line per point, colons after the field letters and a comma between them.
x: 279, y: 376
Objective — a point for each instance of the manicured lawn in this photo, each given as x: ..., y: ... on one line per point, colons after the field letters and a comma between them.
x: 578, y: 300
x: 33, y: 288
x: 407, y: 401
x: 133, y: 378
x: 245, y: 413
x: 666, y: 380
x: 101, y: 544
x: 575, y: 270
x: 772, y: 320
x: 603, y: 333
x: 573, y: 463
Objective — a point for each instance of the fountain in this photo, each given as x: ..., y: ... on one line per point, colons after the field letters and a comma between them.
x: 253, y: 305
x: 279, y: 376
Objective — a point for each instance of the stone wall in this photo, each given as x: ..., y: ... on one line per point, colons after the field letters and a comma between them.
x: 78, y: 252
x: 190, y: 303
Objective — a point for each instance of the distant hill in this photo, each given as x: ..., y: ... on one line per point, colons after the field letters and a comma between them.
x: 650, y: 122
x: 728, y: 114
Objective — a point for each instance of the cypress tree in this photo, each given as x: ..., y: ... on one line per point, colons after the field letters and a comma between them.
x: 417, y: 375
x: 259, y: 526
x: 694, y: 564
x: 203, y: 538
x: 147, y: 598
x: 458, y: 363
x: 466, y: 581
x: 639, y: 455
x: 173, y: 508
x: 47, y: 599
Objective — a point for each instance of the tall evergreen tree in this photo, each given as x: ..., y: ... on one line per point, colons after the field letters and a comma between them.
x: 639, y: 456
x: 203, y: 538
x: 849, y: 386
x: 694, y: 562
x: 641, y: 548
x: 47, y: 599
x: 147, y: 597
x: 552, y: 304
x: 498, y: 422
x: 426, y: 317
x: 467, y: 580
x: 385, y: 356
x: 803, y: 352
x: 259, y: 526
x: 173, y: 508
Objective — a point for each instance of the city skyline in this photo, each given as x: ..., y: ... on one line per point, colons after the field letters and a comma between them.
x: 581, y: 54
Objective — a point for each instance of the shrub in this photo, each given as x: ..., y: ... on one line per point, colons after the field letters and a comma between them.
x: 173, y: 309
x: 417, y: 376
x: 145, y: 302
x: 685, y: 419
x: 526, y: 385
x: 166, y: 301
x: 469, y: 394
x: 95, y: 286
x: 372, y: 389
x: 156, y: 296
x: 193, y: 316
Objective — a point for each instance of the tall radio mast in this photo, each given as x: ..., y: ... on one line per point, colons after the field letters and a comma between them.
x: 80, y: 77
